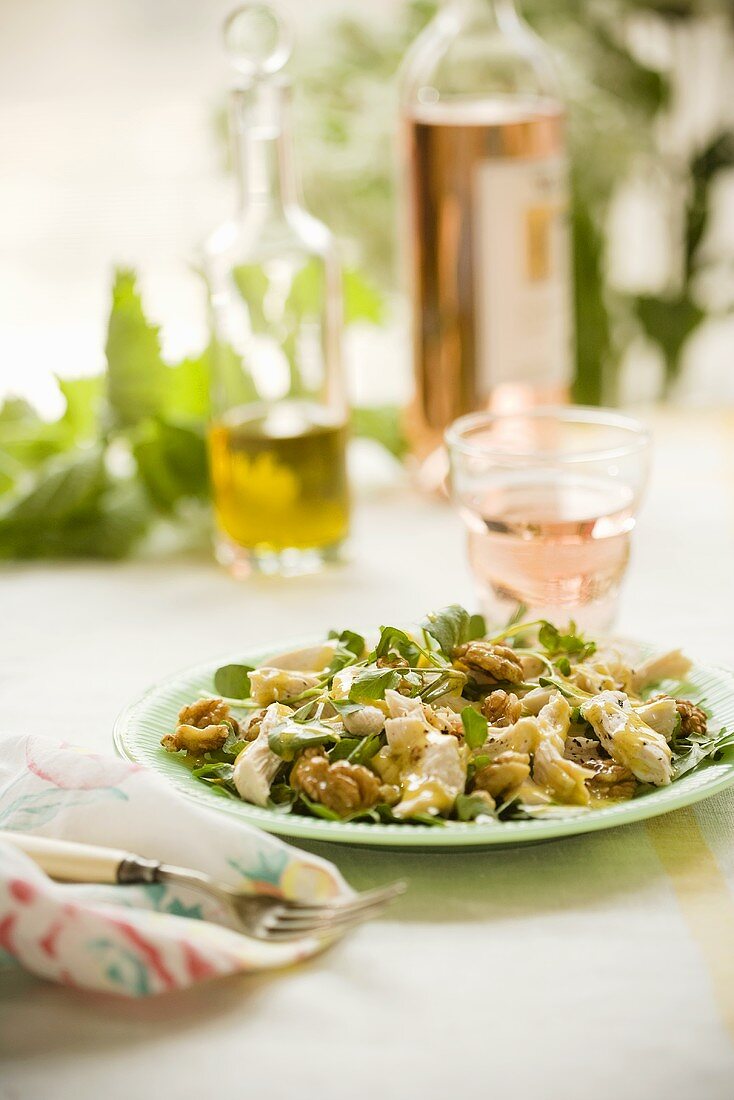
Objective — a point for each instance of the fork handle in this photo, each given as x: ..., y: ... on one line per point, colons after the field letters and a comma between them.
x: 68, y: 861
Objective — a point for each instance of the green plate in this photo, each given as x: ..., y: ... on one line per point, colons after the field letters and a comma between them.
x: 140, y: 727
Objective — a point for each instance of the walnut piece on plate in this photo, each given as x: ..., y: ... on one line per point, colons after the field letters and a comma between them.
x: 342, y: 787
x: 496, y: 662
x: 203, y: 726
x: 501, y: 708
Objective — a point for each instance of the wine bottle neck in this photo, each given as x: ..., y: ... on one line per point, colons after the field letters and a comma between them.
x: 263, y: 144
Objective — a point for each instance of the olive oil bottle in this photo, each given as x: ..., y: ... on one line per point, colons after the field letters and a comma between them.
x: 280, y: 479
x: 278, y: 433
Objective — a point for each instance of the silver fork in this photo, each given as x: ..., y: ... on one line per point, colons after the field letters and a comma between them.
x: 276, y: 920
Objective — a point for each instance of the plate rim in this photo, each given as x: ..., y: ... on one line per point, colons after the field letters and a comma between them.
x: 457, y: 835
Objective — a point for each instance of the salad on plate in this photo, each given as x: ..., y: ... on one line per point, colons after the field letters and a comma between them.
x: 445, y: 722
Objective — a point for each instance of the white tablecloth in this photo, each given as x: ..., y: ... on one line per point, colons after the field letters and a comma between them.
x: 594, y: 967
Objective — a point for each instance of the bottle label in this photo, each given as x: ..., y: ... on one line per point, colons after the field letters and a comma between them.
x: 522, y: 273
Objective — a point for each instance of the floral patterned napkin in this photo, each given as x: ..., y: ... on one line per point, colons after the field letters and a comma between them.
x: 134, y: 940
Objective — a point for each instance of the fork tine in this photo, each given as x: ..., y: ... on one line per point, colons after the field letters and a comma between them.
x: 279, y: 931
x: 289, y: 921
x: 381, y: 893
x: 283, y: 920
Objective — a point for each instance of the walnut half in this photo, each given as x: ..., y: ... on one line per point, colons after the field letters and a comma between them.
x: 342, y: 787
x: 203, y: 726
x: 692, y: 718
x: 497, y: 662
x: 501, y: 708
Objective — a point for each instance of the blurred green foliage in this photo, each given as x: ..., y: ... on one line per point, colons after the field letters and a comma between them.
x: 129, y: 450
x: 348, y: 106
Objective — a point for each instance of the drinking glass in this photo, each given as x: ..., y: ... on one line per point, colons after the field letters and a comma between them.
x: 549, y: 497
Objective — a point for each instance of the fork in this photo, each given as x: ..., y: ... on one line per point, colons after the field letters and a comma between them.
x: 276, y: 920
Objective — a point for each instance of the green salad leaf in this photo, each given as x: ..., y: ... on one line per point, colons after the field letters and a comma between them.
x: 470, y: 807
x: 452, y: 626
x: 571, y: 643
x: 233, y: 681
x: 396, y: 642
x: 289, y: 738
x: 475, y: 727
x: 373, y: 683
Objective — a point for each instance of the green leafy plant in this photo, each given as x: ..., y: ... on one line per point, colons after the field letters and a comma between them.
x: 129, y: 451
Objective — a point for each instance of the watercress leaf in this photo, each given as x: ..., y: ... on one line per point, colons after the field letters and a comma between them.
x: 350, y: 640
x: 306, y: 712
x: 318, y: 809
x: 343, y: 748
x: 549, y: 637
x: 397, y: 641
x: 564, y: 666
x: 289, y: 738
x: 470, y: 807
x: 365, y: 749
x: 349, y: 649
x: 219, y: 777
x: 233, y: 681
x: 344, y: 706
x: 477, y: 628
x: 372, y: 683
x: 281, y: 798
x: 475, y: 727
x: 449, y: 627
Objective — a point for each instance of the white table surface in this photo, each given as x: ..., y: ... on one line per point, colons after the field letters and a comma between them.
x: 594, y: 967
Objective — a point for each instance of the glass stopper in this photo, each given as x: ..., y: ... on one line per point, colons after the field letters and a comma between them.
x: 257, y: 40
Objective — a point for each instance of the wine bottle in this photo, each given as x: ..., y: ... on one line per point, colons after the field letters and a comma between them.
x: 487, y: 237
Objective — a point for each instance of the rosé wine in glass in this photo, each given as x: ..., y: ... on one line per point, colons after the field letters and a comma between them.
x: 549, y: 499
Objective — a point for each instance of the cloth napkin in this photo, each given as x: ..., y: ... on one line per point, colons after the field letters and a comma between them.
x: 134, y: 940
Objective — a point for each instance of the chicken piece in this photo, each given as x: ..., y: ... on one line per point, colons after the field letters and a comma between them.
x: 564, y: 778
x: 315, y: 658
x: 342, y: 787
x: 501, y: 708
x: 195, y: 740
x: 627, y: 738
x: 667, y: 666
x: 271, y: 685
x: 256, y: 766
x: 494, y: 663
x: 445, y: 719
x: 365, y: 722
x: 342, y: 682
x: 605, y: 670
x: 535, y: 700
x: 661, y: 715
x: 593, y: 678
x: 428, y: 766
x: 523, y: 736
x: 431, y: 784
x: 399, y: 705
x: 504, y: 774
